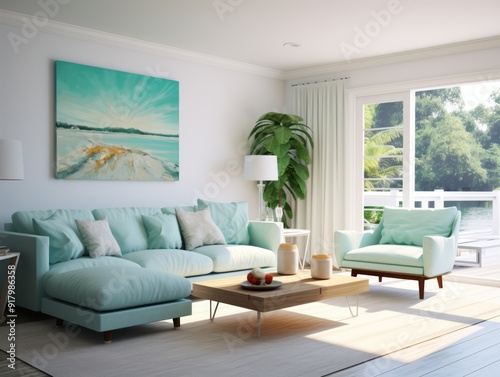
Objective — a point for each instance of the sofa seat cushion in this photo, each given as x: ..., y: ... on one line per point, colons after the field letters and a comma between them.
x: 87, y: 261
x: 401, y: 255
x: 237, y: 257
x: 179, y: 262
x: 113, y: 287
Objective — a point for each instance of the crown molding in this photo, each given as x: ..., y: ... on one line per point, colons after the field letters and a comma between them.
x: 114, y: 40
x: 426, y: 53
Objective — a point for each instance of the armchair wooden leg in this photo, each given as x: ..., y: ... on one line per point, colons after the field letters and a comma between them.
x: 177, y: 322
x: 440, y: 281
x: 421, y: 284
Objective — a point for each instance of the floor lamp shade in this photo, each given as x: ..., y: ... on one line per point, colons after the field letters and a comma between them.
x: 261, y: 168
x: 11, y: 160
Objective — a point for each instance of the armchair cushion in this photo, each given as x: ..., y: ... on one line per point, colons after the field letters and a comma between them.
x: 400, y: 255
x: 408, y: 227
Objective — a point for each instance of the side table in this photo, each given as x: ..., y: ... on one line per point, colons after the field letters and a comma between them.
x: 13, y: 259
x: 291, y: 233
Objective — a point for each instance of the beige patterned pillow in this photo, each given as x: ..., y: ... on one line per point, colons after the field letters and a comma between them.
x: 198, y: 229
x: 97, y: 238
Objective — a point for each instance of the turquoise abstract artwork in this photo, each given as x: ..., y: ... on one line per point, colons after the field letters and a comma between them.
x: 113, y: 125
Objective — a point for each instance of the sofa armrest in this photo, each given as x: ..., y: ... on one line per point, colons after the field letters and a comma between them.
x: 347, y: 240
x: 265, y: 234
x: 438, y: 254
x: 33, y: 264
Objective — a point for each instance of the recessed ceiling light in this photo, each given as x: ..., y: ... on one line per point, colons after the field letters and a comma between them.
x: 292, y: 44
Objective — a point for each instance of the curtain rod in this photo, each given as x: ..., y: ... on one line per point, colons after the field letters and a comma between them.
x: 316, y: 82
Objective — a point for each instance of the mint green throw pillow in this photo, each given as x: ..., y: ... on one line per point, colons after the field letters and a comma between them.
x: 231, y: 218
x: 404, y: 226
x: 163, y: 231
x: 64, y: 242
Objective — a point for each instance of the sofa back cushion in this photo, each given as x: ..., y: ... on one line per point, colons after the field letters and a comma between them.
x: 127, y: 226
x: 231, y: 218
x: 404, y: 226
x: 64, y: 239
x: 23, y: 220
x: 64, y: 242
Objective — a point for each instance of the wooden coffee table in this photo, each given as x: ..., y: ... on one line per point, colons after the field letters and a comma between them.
x: 296, y: 290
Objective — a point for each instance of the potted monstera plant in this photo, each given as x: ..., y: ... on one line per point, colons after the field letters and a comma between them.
x: 288, y: 138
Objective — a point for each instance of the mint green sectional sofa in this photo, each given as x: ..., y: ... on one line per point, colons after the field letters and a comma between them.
x: 416, y: 244
x: 111, y: 268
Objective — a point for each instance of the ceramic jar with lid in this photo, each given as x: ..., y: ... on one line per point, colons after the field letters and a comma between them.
x: 321, y: 266
x: 288, y: 259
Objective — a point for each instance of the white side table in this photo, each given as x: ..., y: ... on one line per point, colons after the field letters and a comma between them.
x: 291, y: 233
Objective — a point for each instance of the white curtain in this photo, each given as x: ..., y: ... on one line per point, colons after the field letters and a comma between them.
x: 322, y: 105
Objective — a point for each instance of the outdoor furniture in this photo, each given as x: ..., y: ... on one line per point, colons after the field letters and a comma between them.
x: 476, y: 246
x: 416, y: 244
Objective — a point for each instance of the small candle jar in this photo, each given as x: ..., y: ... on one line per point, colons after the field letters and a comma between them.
x: 321, y: 266
x: 288, y: 259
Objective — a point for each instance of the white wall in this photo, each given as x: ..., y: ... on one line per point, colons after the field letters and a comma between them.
x: 218, y: 108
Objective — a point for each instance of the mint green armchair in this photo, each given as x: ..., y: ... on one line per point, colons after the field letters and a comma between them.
x: 416, y: 244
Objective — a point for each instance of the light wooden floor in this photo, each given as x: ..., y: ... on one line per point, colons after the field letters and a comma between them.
x: 473, y: 351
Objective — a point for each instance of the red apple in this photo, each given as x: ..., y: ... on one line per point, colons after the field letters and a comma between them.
x: 269, y: 278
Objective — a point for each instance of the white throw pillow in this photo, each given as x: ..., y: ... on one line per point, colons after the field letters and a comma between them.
x: 97, y: 238
x: 199, y: 229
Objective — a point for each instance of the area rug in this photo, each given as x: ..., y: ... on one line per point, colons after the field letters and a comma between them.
x: 316, y: 339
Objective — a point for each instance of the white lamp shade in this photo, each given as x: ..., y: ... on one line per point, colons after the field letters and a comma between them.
x: 11, y: 159
x: 261, y: 168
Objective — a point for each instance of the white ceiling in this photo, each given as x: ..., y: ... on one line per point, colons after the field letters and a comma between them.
x: 254, y: 31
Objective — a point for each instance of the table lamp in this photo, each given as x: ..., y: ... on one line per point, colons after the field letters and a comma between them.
x: 261, y: 168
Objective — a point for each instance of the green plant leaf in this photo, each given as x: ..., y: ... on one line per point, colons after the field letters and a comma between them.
x: 282, y: 134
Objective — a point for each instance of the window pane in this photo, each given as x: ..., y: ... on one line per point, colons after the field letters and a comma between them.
x: 383, y: 152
